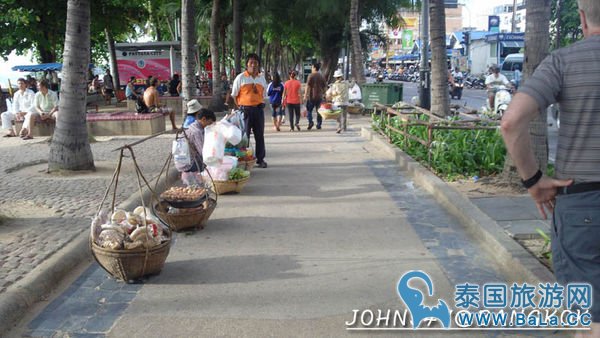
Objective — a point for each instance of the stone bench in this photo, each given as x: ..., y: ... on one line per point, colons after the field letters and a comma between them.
x: 108, y: 124
x: 175, y: 103
x: 125, y: 123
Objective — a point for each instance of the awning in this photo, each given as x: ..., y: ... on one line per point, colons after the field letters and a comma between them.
x: 512, y: 44
x: 41, y: 67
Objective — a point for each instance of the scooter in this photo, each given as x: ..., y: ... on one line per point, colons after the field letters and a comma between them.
x: 456, y: 88
x: 501, y: 100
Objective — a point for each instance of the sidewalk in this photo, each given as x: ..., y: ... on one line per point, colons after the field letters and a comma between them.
x: 329, y: 227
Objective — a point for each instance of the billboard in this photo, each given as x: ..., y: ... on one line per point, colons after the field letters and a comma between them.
x: 494, y: 23
x: 143, y: 63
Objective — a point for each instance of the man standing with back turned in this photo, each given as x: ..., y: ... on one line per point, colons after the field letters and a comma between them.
x: 249, y: 90
x: 315, y: 89
x: 571, y: 77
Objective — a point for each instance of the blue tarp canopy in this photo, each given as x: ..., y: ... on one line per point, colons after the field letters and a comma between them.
x: 41, y: 67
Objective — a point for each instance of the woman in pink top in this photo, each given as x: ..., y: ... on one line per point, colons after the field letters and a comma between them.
x: 291, y: 98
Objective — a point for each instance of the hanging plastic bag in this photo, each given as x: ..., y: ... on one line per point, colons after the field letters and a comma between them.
x: 181, y: 154
x: 214, y: 145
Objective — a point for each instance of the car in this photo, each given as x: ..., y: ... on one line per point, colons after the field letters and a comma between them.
x: 511, y: 62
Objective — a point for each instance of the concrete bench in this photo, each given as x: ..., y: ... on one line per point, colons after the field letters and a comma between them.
x: 107, y: 124
x: 125, y: 123
x: 174, y: 102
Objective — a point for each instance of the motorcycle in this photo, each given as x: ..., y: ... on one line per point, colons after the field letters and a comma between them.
x: 501, y: 100
x: 456, y: 88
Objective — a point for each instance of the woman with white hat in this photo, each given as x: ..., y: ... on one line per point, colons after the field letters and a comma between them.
x: 339, y: 97
x: 193, y: 107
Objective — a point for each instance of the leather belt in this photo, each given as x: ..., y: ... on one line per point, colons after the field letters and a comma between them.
x: 579, y: 188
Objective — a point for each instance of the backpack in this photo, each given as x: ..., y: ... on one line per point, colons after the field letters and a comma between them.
x: 140, y: 106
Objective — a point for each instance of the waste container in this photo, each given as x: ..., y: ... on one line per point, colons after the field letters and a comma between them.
x: 383, y: 93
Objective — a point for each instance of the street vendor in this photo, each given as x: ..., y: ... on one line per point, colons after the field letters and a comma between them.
x: 195, y: 133
x: 338, y: 94
x: 193, y: 108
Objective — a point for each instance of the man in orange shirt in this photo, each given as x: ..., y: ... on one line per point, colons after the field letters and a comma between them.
x: 249, y: 90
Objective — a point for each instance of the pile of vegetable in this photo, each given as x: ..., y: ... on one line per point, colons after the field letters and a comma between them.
x: 238, y: 174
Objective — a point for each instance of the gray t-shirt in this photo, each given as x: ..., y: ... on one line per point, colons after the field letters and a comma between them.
x: 571, y: 77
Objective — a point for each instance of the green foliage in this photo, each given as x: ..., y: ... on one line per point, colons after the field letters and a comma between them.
x: 570, y: 30
x: 546, y: 250
x: 454, y: 153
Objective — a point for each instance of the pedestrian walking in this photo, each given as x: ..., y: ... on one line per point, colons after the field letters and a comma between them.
x: 275, y: 92
x: 249, y: 90
x: 291, y: 99
x: 568, y: 76
x: 313, y: 96
x: 339, y: 97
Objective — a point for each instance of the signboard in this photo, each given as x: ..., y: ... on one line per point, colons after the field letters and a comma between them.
x: 143, y: 63
x: 451, y: 3
x: 505, y: 37
x: 407, y: 39
x: 493, y: 23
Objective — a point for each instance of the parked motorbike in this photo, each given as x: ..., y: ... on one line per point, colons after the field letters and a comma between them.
x: 456, y: 88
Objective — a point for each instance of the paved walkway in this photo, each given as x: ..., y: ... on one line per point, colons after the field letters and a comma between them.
x: 329, y: 227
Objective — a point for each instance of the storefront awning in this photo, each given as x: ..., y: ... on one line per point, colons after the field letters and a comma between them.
x: 512, y: 44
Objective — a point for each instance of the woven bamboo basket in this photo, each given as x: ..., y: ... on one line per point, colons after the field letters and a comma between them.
x: 186, y: 218
x: 130, y: 265
x: 354, y: 109
x: 224, y: 187
x: 331, y: 115
x: 247, y: 165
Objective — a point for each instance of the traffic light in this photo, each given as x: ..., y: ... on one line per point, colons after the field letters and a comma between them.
x: 466, y: 38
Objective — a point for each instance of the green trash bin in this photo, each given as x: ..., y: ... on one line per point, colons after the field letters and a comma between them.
x: 383, y: 93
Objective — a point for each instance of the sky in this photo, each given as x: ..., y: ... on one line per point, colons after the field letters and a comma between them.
x: 5, y: 66
x: 480, y: 9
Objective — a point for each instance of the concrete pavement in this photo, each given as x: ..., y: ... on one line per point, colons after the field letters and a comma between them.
x: 329, y: 227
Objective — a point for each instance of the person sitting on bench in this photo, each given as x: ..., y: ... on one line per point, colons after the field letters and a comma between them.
x: 45, y: 104
x: 152, y: 101
x: 21, y: 105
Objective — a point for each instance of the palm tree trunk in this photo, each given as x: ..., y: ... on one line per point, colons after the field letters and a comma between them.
x: 112, y: 54
x: 223, y: 49
x: 358, y: 71
x: 237, y: 36
x: 537, y: 38
x: 216, y: 103
x: 440, y: 101
x: 188, y: 37
x: 70, y: 148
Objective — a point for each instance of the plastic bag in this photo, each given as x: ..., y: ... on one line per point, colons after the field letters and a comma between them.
x: 304, y: 111
x: 231, y: 133
x: 181, y: 154
x: 214, y: 145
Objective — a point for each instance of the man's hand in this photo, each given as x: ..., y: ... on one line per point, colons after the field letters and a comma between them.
x: 544, y: 193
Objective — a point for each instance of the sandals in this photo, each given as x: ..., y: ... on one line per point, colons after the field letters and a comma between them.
x: 9, y: 135
x: 27, y: 137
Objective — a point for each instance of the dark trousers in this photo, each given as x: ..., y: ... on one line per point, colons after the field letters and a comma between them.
x: 310, y: 104
x: 254, y: 119
x: 294, y: 110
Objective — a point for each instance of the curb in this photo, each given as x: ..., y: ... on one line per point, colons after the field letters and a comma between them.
x: 21, y: 296
x: 514, y: 261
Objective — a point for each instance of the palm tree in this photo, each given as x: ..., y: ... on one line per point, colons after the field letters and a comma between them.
x: 188, y: 30
x: 440, y: 101
x: 217, y: 98
x: 237, y: 35
x: 70, y: 148
x: 537, y: 37
x: 357, y: 55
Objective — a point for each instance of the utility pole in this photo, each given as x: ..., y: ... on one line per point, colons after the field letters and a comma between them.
x: 514, y: 17
x: 425, y: 73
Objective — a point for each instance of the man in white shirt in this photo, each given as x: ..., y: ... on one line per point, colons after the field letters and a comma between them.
x: 21, y: 105
x: 492, y: 82
x: 45, y: 104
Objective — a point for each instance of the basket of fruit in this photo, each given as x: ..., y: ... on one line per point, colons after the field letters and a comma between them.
x: 329, y: 112
x: 238, y: 178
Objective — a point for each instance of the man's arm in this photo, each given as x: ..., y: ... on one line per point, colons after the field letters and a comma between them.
x: 515, y: 131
